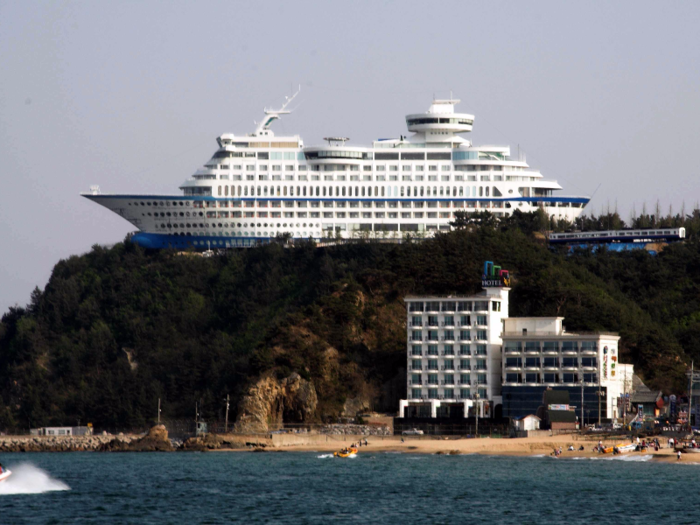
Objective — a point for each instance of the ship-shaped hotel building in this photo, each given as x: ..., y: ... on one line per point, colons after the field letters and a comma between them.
x: 258, y: 186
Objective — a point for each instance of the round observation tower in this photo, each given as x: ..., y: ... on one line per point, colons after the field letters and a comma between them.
x: 441, y: 117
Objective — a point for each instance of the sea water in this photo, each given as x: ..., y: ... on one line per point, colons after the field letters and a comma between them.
x: 290, y: 487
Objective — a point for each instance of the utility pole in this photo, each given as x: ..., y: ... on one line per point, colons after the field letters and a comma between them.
x: 159, y: 411
x: 581, y: 404
x: 690, y: 397
x: 600, y: 394
x: 476, y: 397
x: 226, y: 421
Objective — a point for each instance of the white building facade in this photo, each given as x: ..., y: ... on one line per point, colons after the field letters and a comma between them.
x: 538, y: 354
x: 454, y: 354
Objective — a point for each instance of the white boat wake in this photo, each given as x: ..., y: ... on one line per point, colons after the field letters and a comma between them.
x: 325, y: 456
x: 28, y: 479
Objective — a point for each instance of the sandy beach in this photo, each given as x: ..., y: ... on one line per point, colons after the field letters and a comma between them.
x: 530, y: 446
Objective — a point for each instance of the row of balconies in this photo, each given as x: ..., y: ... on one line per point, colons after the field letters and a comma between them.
x: 443, y: 368
x: 445, y: 383
x: 445, y: 354
x: 427, y: 339
x: 447, y: 325
x: 548, y: 351
x: 561, y: 367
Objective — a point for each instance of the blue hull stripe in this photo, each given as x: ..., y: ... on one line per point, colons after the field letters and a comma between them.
x: 579, y: 200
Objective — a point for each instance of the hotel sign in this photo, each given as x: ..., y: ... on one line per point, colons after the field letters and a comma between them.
x: 494, y: 276
x: 609, y: 362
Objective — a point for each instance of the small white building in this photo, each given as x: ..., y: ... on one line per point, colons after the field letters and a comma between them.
x: 454, y: 354
x: 529, y: 422
x: 61, y: 431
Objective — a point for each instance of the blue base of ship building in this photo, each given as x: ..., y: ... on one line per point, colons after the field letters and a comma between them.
x: 158, y: 241
x: 521, y: 401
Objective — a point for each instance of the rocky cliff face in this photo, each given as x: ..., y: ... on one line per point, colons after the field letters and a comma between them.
x: 270, y: 401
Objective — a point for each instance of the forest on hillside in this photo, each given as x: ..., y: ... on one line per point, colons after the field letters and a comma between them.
x: 117, y: 328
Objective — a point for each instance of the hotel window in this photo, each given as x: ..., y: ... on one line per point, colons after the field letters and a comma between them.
x: 449, y: 364
x: 432, y: 320
x: 589, y: 361
x: 464, y: 364
x: 415, y: 393
x: 590, y: 378
x: 551, y: 378
x: 465, y: 350
x: 532, y: 378
x: 416, y: 320
x: 480, y: 349
x: 481, y: 320
x: 514, y: 362
x: 433, y: 364
x: 449, y: 349
x: 416, y: 379
x: 570, y: 378
x: 432, y: 349
x: 416, y: 350
x: 496, y: 306
x: 512, y: 378
x: 432, y: 393
x: 569, y: 345
x: 449, y: 392
x: 449, y: 335
x: 481, y: 379
x: 550, y: 362
x: 464, y: 393
x: 416, y: 335
x: 481, y: 335
x: 449, y: 379
x: 464, y: 306
x: 416, y: 365
x: 432, y: 379
x: 570, y: 361
x: 532, y: 362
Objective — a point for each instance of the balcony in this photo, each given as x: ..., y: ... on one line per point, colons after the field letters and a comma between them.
x: 532, y: 351
x: 480, y: 367
x: 588, y: 351
x: 551, y: 351
x: 447, y: 367
x: 569, y: 351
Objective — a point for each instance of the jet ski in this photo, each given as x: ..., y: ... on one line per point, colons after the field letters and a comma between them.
x: 6, y: 473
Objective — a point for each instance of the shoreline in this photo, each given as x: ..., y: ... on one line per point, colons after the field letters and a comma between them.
x: 328, y: 443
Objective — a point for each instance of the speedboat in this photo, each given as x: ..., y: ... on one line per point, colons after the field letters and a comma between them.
x: 5, y: 474
x: 345, y: 453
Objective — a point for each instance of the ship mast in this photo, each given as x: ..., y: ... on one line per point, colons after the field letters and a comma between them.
x: 273, y: 114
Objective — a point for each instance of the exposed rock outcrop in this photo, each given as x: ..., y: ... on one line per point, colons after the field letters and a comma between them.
x: 155, y: 441
x: 270, y: 401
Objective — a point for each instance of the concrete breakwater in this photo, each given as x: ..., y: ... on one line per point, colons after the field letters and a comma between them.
x: 59, y: 443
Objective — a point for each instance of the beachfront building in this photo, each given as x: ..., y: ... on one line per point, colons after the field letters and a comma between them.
x: 538, y: 354
x: 454, y: 354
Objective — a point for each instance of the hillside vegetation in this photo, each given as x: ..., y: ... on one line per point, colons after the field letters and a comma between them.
x: 116, y: 329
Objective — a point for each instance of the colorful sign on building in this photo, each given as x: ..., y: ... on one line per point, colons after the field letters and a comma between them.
x: 494, y: 276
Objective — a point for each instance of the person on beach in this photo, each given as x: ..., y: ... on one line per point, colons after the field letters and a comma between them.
x: 679, y: 455
x: 670, y: 442
x: 365, y: 441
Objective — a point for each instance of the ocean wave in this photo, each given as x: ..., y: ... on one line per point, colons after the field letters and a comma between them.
x: 325, y: 456
x: 28, y: 479
x: 632, y: 459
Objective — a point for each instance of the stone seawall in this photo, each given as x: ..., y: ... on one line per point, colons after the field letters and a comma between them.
x: 59, y: 443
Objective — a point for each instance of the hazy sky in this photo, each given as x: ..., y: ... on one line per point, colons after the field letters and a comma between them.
x: 132, y: 95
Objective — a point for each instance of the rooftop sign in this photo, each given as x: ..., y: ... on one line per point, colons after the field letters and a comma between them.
x: 494, y: 276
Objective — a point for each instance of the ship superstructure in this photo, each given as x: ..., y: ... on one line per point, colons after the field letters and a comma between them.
x: 258, y: 186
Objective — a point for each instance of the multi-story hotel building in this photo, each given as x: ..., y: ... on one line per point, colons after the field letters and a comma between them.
x: 454, y: 354
x: 538, y: 354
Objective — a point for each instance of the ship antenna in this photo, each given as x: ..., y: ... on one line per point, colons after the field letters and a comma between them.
x: 274, y: 114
